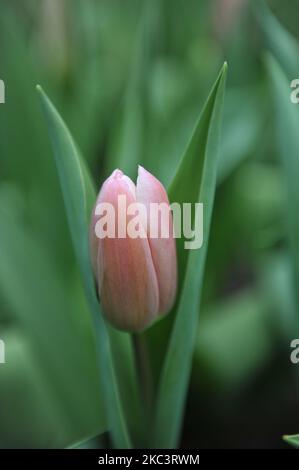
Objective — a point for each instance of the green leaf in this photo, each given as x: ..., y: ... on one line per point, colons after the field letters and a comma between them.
x: 292, y: 440
x: 195, y: 181
x: 278, y: 40
x: 42, y: 337
x: 78, y: 197
x: 92, y: 442
x: 195, y: 165
x: 287, y: 125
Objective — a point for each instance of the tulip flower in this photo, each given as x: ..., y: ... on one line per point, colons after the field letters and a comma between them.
x: 136, y: 276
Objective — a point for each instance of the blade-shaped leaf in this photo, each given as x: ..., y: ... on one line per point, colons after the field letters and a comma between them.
x: 195, y: 181
x: 57, y: 363
x: 287, y: 120
x: 79, y: 196
x: 280, y: 42
x: 292, y: 440
x: 92, y: 442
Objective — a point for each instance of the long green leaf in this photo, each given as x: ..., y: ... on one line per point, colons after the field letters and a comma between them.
x: 278, y: 40
x: 78, y: 196
x: 293, y: 440
x: 75, y: 405
x: 287, y: 124
x: 194, y: 181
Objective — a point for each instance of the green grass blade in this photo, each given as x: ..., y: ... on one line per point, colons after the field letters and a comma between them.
x: 278, y: 40
x: 35, y: 318
x: 92, y: 442
x: 78, y: 197
x: 287, y: 124
x: 193, y: 166
x: 194, y: 181
x: 292, y: 440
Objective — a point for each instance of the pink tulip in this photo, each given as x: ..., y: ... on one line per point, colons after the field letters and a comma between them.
x: 136, y: 277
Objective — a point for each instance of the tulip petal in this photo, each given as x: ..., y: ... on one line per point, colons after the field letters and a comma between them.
x: 150, y: 190
x: 127, y: 281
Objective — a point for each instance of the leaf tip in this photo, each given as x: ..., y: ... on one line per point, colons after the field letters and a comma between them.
x: 224, y: 69
x: 41, y: 92
x: 292, y: 439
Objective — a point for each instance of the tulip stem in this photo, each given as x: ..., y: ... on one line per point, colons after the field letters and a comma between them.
x: 144, y: 371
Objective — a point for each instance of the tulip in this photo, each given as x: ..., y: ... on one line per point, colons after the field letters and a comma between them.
x: 136, y: 277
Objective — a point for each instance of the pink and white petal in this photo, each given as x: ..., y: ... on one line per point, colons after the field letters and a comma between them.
x: 150, y: 190
x: 128, y: 285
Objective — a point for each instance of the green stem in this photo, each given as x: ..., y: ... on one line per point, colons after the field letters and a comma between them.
x: 144, y: 371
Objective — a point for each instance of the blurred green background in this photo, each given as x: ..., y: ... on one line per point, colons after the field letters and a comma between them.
x: 130, y: 78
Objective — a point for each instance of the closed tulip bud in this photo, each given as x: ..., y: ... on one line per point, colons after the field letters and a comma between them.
x: 135, y: 263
